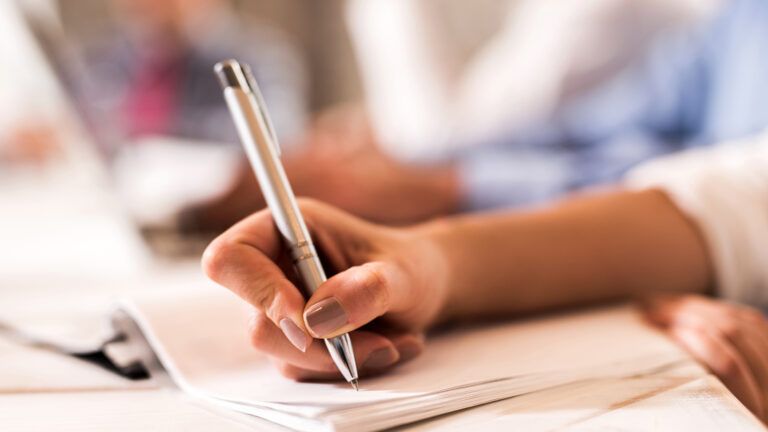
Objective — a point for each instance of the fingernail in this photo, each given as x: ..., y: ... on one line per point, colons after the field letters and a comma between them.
x: 325, y: 317
x: 380, y: 359
x: 294, y: 334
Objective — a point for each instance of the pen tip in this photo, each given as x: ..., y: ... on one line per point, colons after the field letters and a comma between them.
x: 354, y: 385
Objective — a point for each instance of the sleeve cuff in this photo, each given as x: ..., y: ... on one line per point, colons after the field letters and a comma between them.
x: 724, y: 190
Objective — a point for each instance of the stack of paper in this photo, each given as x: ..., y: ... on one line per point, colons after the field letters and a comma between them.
x: 202, y: 341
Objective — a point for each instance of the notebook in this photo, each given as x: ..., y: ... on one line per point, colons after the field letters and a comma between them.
x: 200, y: 338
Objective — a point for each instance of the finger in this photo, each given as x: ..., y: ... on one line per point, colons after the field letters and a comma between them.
x: 298, y: 373
x: 372, y: 351
x: 307, y: 375
x: 753, y: 344
x: 736, y: 325
x: 353, y: 298
x: 742, y: 327
x: 722, y: 359
x: 242, y: 259
x: 748, y: 336
x: 268, y: 339
x: 409, y: 345
x: 757, y: 323
x: 668, y: 310
x: 753, y: 319
x: 661, y: 310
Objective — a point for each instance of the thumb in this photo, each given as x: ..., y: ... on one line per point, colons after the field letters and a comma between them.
x: 353, y: 298
x: 660, y: 310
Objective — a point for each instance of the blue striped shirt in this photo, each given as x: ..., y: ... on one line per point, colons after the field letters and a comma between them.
x: 696, y: 88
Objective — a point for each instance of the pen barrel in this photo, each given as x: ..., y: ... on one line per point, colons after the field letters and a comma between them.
x: 261, y: 147
x: 308, y: 266
x: 262, y: 154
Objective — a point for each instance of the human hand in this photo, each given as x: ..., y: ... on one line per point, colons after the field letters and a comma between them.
x: 390, y: 282
x: 374, y: 186
x: 339, y: 162
x: 31, y: 144
x: 730, y: 340
x: 342, y: 163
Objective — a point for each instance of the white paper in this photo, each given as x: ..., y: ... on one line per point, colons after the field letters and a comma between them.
x: 201, y: 338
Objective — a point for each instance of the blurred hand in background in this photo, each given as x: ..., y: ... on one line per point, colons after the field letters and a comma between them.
x: 31, y: 145
x: 152, y: 74
x: 340, y: 162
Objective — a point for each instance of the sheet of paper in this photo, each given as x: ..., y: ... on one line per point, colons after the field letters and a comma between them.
x: 202, y: 338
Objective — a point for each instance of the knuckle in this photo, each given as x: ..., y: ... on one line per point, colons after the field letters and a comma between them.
x: 215, y: 259
x: 326, y: 364
x: 731, y: 329
x: 375, y: 289
x: 308, y: 204
x: 754, y: 316
x: 289, y: 371
x: 260, y: 332
x: 264, y: 296
x: 694, y: 300
x: 727, y: 367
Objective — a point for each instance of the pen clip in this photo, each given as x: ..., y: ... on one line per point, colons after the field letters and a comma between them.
x: 262, y: 106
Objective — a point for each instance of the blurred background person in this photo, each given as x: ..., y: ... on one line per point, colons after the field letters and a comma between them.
x: 60, y: 219
x: 452, y: 125
x: 29, y: 144
x: 151, y: 74
x: 141, y: 77
x: 439, y: 75
x: 23, y: 141
x: 492, y: 85
x: 143, y: 68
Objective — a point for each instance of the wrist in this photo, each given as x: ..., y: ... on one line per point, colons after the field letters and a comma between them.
x: 435, y: 236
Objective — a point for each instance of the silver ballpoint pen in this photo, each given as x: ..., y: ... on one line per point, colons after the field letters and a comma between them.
x: 262, y: 148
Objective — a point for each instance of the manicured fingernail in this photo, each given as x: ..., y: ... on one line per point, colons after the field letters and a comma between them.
x: 380, y: 359
x: 295, y: 335
x: 325, y: 317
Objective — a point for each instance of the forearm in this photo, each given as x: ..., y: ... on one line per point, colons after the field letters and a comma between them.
x: 588, y: 249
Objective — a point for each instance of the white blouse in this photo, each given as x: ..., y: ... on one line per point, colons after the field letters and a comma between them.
x: 724, y: 189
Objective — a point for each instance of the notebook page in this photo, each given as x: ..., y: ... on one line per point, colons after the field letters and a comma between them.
x: 202, y: 338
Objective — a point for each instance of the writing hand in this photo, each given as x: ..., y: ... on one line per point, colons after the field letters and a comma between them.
x: 390, y: 282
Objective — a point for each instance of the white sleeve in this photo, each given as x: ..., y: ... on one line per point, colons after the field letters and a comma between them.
x: 725, y: 191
